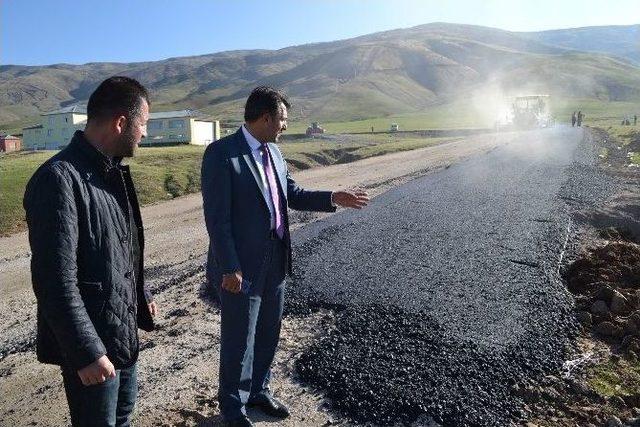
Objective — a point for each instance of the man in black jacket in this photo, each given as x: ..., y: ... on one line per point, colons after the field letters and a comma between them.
x: 87, y: 246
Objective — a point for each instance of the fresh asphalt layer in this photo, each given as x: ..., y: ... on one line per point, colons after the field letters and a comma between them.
x: 446, y: 290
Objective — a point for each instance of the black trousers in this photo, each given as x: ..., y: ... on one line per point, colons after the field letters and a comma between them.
x: 250, y: 330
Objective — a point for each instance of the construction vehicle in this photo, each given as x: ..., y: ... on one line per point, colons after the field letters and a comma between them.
x: 531, y: 111
x: 314, y: 129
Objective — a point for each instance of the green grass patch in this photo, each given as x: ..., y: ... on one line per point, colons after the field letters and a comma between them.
x: 15, y: 171
x: 162, y: 173
x: 16, y: 127
x: 619, y: 377
x: 456, y: 115
x: 597, y: 113
x: 466, y: 114
x: 626, y: 135
x: 159, y: 173
x: 623, y: 136
x: 309, y: 153
x: 398, y: 145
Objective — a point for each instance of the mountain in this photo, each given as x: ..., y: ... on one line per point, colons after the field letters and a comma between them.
x: 391, y: 72
x: 619, y: 40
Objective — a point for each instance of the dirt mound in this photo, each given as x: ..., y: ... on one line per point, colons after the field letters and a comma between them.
x: 606, y: 283
x: 617, y: 262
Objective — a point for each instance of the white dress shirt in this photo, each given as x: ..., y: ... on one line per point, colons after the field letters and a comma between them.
x: 254, y: 144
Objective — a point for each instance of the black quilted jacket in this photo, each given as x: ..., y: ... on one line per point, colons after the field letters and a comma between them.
x: 90, y: 299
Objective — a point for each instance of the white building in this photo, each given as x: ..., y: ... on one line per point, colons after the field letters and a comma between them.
x: 163, y: 128
x: 56, y: 129
x: 184, y: 126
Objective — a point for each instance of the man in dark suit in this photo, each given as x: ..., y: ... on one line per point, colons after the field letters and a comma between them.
x: 246, y: 190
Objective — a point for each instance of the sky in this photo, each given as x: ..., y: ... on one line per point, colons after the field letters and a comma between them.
x: 79, y: 31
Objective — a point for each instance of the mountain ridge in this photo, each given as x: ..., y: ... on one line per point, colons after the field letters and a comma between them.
x: 391, y: 72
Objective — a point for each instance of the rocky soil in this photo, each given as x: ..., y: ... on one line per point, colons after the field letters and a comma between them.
x: 600, y: 386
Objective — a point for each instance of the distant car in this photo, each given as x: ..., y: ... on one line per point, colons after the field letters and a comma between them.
x: 394, y: 127
x: 314, y: 129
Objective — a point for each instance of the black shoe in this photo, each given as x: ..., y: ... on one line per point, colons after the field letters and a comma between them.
x: 239, y: 422
x: 270, y: 406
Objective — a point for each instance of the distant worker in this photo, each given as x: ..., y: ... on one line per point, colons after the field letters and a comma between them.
x: 580, y: 117
x: 573, y: 119
x: 635, y: 119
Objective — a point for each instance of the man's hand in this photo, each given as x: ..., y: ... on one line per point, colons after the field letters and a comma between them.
x: 350, y: 199
x: 97, y: 372
x: 232, y: 282
x: 153, y: 308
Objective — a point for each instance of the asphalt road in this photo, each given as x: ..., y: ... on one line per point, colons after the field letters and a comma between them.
x: 179, y: 360
x: 446, y: 289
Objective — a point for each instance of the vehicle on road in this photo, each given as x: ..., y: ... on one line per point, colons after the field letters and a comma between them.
x: 531, y: 111
x: 314, y: 129
x: 525, y: 112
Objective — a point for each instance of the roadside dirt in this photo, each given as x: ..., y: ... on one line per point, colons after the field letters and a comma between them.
x: 601, y: 386
x: 179, y: 362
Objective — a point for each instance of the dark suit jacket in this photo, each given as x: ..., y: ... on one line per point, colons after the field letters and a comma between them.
x: 236, y: 210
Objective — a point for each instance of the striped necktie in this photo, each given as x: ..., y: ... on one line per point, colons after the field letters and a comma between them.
x: 273, y: 188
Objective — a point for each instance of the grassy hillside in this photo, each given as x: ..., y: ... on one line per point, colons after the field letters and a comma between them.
x: 400, y: 72
x: 618, y: 40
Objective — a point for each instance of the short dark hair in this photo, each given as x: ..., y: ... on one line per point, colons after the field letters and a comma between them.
x: 117, y: 95
x: 264, y: 99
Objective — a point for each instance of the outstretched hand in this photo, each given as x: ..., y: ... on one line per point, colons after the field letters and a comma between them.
x: 351, y: 199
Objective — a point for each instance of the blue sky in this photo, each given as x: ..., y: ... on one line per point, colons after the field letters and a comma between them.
x: 46, y: 31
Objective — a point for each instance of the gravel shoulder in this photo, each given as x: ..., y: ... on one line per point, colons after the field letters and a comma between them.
x: 179, y: 361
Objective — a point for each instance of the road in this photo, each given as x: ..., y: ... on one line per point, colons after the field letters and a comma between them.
x: 178, y: 361
x: 441, y: 298
x: 446, y: 289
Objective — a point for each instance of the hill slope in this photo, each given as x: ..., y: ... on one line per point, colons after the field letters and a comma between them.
x: 392, y: 72
x: 618, y: 40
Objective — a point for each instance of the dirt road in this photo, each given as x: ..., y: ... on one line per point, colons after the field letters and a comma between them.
x: 179, y: 362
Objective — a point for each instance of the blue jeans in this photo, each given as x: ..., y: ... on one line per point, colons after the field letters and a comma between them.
x: 109, y: 404
x: 250, y: 330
